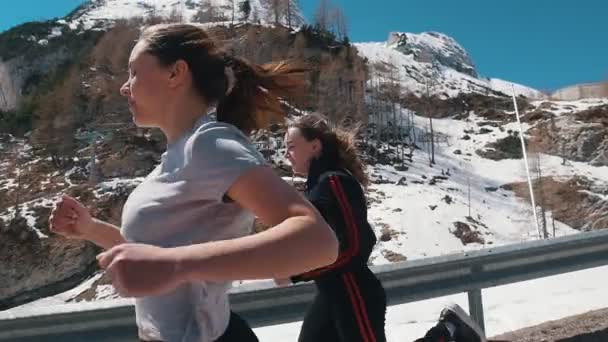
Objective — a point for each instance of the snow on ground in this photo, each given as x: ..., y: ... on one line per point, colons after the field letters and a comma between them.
x: 114, y: 184
x: 505, y: 87
x: 26, y: 211
x: 424, y: 230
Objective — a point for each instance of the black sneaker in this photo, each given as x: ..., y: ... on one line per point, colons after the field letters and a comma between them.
x: 438, y: 333
x: 466, y: 330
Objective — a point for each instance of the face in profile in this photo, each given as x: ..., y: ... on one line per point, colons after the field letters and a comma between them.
x: 147, y: 88
x: 299, y: 151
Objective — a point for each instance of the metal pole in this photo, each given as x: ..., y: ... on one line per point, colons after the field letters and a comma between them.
x: 476, y: 307
x: 523, y: 148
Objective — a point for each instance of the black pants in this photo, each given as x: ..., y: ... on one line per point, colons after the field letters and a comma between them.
x: 349, y: 307
x: 238, y: 331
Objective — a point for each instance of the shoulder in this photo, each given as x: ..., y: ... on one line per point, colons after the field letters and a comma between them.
x: 214, y: 130
x: 219, y: 136
x: 218, y: 142
x: 338, y: 180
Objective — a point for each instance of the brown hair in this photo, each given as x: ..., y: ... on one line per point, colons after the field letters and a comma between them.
x: 337, y: 143
x: 253, y: 102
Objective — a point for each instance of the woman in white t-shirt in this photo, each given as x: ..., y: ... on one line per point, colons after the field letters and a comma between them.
x: 186, y: 229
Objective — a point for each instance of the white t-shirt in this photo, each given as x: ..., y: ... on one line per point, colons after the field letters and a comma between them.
x: 181, y: 203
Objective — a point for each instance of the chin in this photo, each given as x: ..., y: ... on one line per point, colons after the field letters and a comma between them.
x: 140, y: 121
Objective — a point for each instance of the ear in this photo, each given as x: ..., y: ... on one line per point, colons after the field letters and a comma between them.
x: 178, y: 73
x: 316, y: 146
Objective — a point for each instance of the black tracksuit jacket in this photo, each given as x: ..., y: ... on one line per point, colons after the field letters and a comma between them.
x: 350, y: 305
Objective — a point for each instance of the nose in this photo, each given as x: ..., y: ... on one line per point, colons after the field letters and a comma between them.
x: 125, y: 90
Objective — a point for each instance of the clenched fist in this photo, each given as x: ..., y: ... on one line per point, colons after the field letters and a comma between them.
x: 70, y: 218
x: 139, y: 270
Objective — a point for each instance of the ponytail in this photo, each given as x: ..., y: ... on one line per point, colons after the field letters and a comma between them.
x: 254, y: 99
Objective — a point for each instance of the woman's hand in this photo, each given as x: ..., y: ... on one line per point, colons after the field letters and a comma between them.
x: 139, y: 270
x: 70, y: 218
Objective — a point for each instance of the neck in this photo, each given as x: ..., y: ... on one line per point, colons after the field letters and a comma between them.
x: 181, y: 117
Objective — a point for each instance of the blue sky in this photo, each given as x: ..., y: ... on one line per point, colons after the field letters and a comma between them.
x: 545, y: 44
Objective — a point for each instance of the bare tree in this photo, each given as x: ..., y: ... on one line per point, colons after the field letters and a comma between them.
x: 93, y: 176
x: 429, y: 113
x: 289, y: 13
x: 277, y: 7
x: 208, y: 13
x: 413, y: 138
x: 233, y: 10
x: 553, y: 222
x: 17, y: 168
x: 469, y: 194
x: 255, y: 15
x: 431, y: 77
x: 175, y: 16
x: 322, y: 15
x: 540, y: 196
x: 339, y: 23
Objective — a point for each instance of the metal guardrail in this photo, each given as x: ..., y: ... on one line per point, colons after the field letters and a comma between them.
x: 404, y: 282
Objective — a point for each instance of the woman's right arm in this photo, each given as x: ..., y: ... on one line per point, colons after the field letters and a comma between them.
x: 104, y: 234
x: 72, y: 219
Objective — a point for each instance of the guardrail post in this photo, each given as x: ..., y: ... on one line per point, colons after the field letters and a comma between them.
x: 476, y: 307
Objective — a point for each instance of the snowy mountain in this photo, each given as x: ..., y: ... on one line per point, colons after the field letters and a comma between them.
x: 435, y: 60
x: 433, y: 47
x: 99, y: 11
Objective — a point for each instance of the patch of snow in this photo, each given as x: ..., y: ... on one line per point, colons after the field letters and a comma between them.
x: 113, y: 184
x: 55, y: 32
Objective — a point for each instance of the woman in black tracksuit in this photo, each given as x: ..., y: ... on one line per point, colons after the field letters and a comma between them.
x: 350, y: 305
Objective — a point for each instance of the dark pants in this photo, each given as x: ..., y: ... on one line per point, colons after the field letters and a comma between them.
x: 238, y: 331
x: 349, y: 307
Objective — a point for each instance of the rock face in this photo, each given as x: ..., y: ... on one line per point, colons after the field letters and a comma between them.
x: 434, y: 47
x: 580, y: 137
x: 577, y: 201
x: 37, y: 53
x: 35, y: 267
x: 17, y: 73
x: 32, y: 271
